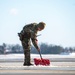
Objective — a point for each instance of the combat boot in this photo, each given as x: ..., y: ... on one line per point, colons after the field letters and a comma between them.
x: 28, y: 64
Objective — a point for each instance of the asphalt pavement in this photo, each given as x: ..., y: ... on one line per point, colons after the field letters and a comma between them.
x: 58, y: 66
x: 55, y: 68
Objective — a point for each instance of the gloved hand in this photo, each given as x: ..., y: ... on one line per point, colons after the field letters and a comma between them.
x: 38, y: 49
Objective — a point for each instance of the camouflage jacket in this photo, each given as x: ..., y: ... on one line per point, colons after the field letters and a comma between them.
x: 30, y: 31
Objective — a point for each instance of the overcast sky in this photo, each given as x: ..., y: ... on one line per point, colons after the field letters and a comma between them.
x: 59, y: 16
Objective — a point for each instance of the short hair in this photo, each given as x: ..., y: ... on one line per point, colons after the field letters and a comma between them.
x: 41, y: 25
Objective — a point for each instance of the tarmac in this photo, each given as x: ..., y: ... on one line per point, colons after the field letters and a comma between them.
x: 56, y: 67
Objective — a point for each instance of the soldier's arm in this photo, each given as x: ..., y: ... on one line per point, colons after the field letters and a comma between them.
x: 35, y: 41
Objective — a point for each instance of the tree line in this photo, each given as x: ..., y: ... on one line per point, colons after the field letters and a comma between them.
x: 44, y: 47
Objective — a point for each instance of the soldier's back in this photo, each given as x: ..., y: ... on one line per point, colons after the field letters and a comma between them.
x: 29, y: 26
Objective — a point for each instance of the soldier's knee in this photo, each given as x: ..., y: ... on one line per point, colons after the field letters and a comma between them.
x: 26, y: 51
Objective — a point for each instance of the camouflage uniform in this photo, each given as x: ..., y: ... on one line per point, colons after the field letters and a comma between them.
x: 29, y: 32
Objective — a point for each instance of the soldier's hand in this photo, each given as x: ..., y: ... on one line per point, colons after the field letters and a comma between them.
x: 38, y: 49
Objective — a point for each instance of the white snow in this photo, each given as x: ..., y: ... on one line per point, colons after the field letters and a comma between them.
x: 18, y: 65
x: 21, y: 56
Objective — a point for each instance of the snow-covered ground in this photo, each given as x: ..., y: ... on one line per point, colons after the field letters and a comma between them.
x: 48, y: 56
x: 58, y: 62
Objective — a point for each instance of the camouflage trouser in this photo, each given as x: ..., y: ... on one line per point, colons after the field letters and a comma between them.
x: 26, y: 46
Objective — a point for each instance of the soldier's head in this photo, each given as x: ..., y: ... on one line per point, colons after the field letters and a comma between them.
x: 41, y: 26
